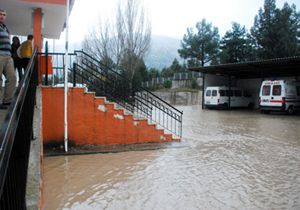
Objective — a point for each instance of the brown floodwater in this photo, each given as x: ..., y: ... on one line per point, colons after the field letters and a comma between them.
x: 227, y: 160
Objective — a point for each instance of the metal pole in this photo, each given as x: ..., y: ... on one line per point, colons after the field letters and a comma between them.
x: 46, y: 77
x: 229, y: 92
x: 203, y: 90
x: 53, y: 61
x: 66, y: 80
x: 74, y: 75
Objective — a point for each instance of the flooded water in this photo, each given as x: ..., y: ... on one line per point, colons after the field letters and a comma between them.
x: 226, y: 160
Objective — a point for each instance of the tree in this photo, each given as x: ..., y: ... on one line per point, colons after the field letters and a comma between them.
x: 134, y: 32
x: 276, y: 31
x: 174, y: 68
x: 288, y: 26
x: 100, y: 43
x: 202, y: 47
x: 166, y: 72
x: 126, y: 40
x: 235, y: 45
x: 153, y: 73
x: 264, y: 29
x: 141, y: 75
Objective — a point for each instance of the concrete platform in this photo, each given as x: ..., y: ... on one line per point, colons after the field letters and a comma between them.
x: 34, y: 179
x: 33, y: 192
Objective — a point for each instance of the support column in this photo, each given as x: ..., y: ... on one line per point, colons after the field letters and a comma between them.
x: 203, y: 90
x: 229, y: 91
x: 37, y: 28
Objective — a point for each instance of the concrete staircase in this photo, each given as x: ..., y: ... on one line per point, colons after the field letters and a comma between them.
x: 94, y: 121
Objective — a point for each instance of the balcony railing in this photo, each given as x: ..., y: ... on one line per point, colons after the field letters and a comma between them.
x: 15, y: 137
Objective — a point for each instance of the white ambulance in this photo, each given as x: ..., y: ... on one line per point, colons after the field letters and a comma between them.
x: 279, y: 95
x: 218, y: 97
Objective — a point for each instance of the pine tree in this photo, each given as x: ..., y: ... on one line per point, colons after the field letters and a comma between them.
x: 202, y: 47
x: 235, y: 45
x: 288, y: 26
x: 276, y: 31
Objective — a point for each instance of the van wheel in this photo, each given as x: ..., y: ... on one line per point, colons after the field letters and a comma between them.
x: 291, y: 110
x: 250, y: 106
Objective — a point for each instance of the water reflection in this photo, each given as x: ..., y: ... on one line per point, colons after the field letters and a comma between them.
x: 231, y: 160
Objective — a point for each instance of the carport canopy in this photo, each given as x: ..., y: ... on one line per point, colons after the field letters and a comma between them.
x: 278, y: 67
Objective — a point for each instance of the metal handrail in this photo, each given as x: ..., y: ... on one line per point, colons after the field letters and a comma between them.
x: 160, y: 111
x: 15, y: 138
x: 138, y: 100
x: 101, y: 65
x: 115, y: 98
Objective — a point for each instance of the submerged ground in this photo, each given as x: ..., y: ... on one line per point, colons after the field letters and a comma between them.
x: 235, y: 159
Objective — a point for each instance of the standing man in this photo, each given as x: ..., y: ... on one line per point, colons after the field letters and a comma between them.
x: 26, y: 51
x: 6, y: 63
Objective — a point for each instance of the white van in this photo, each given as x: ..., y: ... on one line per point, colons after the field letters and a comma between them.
x: 218, y: 97
x: 279, y: 95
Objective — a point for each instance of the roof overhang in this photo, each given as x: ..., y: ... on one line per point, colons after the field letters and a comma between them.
x: 20, y: 21
x: 279, y: 67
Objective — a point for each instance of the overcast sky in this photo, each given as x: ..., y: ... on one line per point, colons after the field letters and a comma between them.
x: 171, y: 17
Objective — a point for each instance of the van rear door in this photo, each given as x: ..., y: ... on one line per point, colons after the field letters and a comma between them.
x: 272, y: 95
x: 207, y: 97
x: 277, y: 95
x: 214, y: 97
x: 211, y: 97
x: 265, y: 97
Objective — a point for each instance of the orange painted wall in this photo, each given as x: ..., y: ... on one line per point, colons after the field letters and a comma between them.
x: 63, y: 2
x: 92, y: 121
x: 37, y: 28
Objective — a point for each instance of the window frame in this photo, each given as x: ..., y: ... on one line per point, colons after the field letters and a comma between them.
x: 263, y: 90
x: 208, y: 91
x: 275, y: 88
x: 214, y: 93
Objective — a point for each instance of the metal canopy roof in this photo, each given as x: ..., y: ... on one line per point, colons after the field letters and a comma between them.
x: 278, y: 67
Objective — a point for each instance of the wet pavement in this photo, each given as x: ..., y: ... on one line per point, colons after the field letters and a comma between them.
x: 227, y: 160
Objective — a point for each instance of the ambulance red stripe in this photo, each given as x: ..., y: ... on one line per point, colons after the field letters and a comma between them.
x: 277, y: 101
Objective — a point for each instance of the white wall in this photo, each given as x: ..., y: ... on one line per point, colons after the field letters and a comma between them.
x: 253, y: 86
x: 214, y: 80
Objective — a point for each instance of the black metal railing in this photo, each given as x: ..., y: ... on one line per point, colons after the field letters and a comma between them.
x: 15, y: 137
x: 142, y: 102
x: 105, y: 81
x: 56, y: 67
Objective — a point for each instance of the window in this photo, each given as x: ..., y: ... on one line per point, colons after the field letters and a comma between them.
x: 223, y: 93
x: 266, y: 90
x: 208, y: 92
x: 238, y: 93
x: 276, y: 90
x: 214, y: 93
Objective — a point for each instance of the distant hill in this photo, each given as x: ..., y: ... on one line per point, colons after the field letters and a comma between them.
x: 163, y: 51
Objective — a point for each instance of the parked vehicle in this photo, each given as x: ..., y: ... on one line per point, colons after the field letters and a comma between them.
x: 218, y: 97
x: 279, y: 95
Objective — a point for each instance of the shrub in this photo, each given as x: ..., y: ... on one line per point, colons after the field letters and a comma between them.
x: 194, y: 84
x: 168, y: 84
